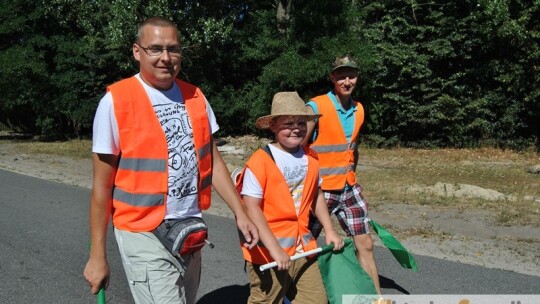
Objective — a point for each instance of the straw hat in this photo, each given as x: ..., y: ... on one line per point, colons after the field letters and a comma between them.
x: 285, y: 104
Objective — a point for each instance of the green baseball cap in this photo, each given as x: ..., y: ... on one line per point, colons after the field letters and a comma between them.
x: 344, y: 62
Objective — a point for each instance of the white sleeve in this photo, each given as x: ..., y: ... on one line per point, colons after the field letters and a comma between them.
x: 214, y: 127
x: 105, y: 129
x: 251, y: 186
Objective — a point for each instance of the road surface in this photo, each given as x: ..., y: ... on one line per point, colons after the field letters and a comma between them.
x: 44, y: 247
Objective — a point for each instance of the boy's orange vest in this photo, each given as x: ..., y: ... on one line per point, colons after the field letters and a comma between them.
x: 278, y: 207
x: 336, y: 156
x: 141, y: 182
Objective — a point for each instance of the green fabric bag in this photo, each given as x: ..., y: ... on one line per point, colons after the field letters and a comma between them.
x: 342, y: 274
x: 404, y: 257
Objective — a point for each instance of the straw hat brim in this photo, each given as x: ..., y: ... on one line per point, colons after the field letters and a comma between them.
x: 263, y: 122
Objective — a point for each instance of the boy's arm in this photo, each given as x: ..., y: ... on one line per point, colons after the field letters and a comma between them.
x: 222, y: 183
x: 323, y: 215
x: 253, y: 208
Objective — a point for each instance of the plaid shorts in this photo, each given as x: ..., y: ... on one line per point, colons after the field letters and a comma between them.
x: 350, y: 208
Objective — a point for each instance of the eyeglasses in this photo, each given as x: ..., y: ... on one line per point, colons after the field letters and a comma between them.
x: 291, y: 124
x: 294, y: 125
x: 155, y: 51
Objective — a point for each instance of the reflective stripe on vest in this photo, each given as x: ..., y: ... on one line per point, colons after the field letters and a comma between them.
x: 331, y: 148
x: 278, y: 207
x: 138, y: 200
x: 141, y: 164
x: 336, y: 155
x: 141, y: 182
x: 285, y: 242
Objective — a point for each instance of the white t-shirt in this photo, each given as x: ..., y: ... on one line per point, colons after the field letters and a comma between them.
x: 182, y: 197
x: 292, y: 166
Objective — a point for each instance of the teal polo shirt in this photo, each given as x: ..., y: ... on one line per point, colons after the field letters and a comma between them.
x: 346, y: 117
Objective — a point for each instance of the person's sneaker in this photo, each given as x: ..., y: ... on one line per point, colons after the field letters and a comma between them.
x: 234, y: 175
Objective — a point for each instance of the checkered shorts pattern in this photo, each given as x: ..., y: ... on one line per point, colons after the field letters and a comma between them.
x: 350, y: 208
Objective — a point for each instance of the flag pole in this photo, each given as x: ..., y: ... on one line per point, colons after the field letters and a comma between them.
x: 298, y: 256
x: 100, y: 296
x: 101, y: 299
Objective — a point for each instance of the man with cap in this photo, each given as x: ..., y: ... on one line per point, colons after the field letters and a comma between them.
x: 335, y: 137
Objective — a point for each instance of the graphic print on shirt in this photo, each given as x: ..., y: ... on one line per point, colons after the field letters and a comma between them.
x: 183, y: 169
x: 295, y: 176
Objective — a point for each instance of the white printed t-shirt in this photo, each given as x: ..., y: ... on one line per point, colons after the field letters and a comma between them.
x: 182, y: 196
x: 293, y: 167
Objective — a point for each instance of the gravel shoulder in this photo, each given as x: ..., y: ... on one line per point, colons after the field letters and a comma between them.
x: 467, y: 236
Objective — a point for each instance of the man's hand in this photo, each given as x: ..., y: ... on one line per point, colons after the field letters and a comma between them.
x: 249, y: 231
x: 97, y: 274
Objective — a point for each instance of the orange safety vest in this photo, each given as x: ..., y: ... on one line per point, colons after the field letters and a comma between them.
x: 278, y: 207
x: 141, y: 182
x: 336, y: 155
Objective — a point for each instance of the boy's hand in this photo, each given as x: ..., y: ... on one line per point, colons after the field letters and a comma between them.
x: 282, y: 259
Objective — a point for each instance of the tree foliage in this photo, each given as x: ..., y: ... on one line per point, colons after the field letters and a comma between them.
x: 455, y: 73
x: 433, y: 73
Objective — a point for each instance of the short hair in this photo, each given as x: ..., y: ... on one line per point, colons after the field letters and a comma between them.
x: 155, y: 21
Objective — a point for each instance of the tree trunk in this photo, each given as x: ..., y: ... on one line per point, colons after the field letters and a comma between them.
x: 283, y: 14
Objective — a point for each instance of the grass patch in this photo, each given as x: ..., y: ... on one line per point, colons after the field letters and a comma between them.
x: 386, y: 174
x: 78, y: 149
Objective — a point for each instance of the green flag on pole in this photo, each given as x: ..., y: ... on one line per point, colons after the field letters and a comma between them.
x: 404, y: 257
x: 342, y: 274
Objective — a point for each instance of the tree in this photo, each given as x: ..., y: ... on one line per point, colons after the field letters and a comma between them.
x: 433, y: 73
x: 443, y: 70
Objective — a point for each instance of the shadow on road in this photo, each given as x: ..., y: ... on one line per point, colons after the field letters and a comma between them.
x: 233, y: 294
x: 391, y: 284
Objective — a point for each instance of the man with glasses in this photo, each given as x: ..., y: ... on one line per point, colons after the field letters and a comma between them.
x: 154, y: 161
x: 335, y: 137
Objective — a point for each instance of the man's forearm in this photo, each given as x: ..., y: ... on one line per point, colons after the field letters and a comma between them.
x: 99, y: 221
x: 222, y: 183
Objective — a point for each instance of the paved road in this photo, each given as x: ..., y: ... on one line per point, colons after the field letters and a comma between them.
x: 44, y: 246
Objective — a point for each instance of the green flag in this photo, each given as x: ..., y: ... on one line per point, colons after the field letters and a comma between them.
x: 342, y: 274
x: 401, y: 254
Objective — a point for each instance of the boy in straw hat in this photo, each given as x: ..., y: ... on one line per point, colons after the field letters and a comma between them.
x: 280, y: 187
